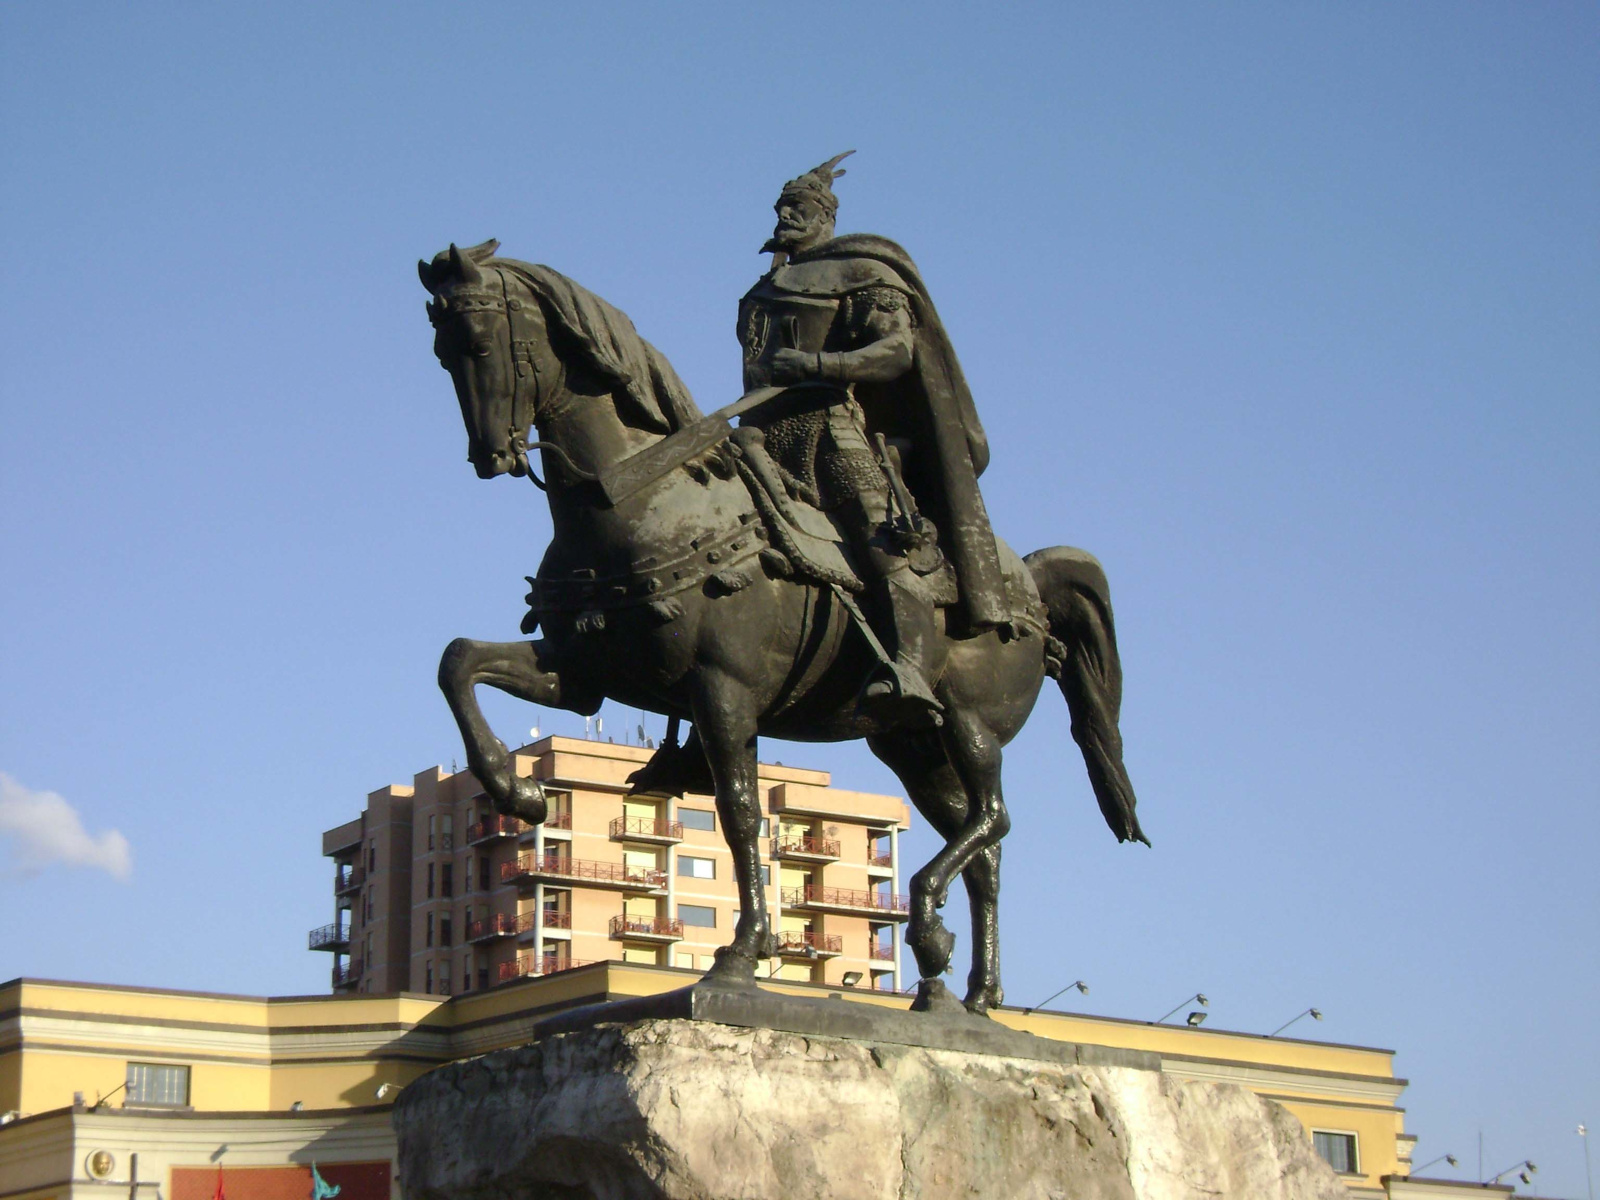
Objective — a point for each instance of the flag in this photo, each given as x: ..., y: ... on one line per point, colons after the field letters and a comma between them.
x: 320, y: 1188
x: 219, y: 1195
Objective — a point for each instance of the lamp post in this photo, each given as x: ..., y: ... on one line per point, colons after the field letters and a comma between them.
x: 1588, y: 1175
x: 1083, y: 989
x: 1198, y: 996
x: 1525, y: 1171
x: 1314, y: 1013
x: 1449, y: 1158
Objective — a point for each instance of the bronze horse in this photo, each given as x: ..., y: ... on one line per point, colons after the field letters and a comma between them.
x: 671, y: 599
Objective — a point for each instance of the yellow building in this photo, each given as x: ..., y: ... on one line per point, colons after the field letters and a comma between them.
x: 261, y: 1088
x: 434, y: 892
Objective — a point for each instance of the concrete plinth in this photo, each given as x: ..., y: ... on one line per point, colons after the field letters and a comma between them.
x: 691, y: 1109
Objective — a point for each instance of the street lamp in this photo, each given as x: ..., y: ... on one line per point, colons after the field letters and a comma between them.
x: 1525, y: 1171
x: 1083, y: 989
x: 1314, y: 1013
x: 1588, y: 1175
x: 1445, y: 1158
x: 1198, y: 996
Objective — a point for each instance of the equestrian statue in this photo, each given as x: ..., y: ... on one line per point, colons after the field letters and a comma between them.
x: 824, y: 570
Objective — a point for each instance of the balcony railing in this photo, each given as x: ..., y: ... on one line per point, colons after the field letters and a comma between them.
x: 657, y: 929
x: 553, y: 919
x: 816, y: 896
x: 880, y: 860
x: 347, y: 879
x: 493, y: 827
x: 879, y: 952
x: 530, y: 964
x: 558, y: 820
x: 795, y: 846
x: 488, y: 928
x: 583, y: 871
x: 347, y: 975
x: 333, y: 937
x: 646, y: 829
x: 797, y: 943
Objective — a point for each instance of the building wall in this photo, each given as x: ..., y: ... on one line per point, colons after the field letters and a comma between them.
x: 330, y: 1054
x: 407, y: 934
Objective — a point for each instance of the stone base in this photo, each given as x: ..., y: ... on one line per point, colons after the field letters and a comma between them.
x: 693, y: 1110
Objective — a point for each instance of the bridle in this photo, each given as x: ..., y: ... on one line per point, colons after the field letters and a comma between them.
x: 525, y: 332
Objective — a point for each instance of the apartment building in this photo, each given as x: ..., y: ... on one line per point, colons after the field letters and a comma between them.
x: 169, y: 1091
x: 436, y: 893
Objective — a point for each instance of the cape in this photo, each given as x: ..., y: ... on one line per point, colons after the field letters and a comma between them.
x: 930, y: 405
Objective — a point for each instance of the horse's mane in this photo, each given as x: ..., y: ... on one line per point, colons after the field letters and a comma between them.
x: 610, y: 345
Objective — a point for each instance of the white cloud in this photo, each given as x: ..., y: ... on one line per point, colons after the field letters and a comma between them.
x: 43, y: 829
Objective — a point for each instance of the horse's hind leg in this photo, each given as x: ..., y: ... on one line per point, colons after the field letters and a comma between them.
x: 920, y: 761
x: 515, y: 667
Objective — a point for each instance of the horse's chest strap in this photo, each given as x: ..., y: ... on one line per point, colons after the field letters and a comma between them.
x: 649, y: 580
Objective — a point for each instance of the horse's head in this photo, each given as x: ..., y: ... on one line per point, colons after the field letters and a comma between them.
x: 485, y: 327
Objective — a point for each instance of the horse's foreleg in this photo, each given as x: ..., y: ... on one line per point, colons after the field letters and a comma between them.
x: 982, y: 877
x: 724, y: 714
x: 513, y: 667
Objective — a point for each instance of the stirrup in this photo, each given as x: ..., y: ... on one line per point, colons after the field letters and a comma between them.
x: 900, y: 696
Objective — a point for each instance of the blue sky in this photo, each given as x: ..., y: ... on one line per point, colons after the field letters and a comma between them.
x: 1287, y: 312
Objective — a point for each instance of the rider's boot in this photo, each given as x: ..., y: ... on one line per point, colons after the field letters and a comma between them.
x: 898, y: 690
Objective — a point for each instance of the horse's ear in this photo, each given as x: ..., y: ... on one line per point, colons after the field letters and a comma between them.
x: 425, y: 273
x: 483, y: 250
x: 463, y: 266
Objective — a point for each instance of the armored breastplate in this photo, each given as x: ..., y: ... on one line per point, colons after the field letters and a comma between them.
x: 771, y: 320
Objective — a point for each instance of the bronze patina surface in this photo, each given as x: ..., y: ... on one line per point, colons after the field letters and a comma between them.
x: 825, y: 571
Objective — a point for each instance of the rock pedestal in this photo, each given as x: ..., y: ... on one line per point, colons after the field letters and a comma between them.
x: 696, y: 1110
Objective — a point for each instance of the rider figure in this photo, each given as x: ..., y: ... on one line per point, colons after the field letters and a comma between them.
x: 850, y: 321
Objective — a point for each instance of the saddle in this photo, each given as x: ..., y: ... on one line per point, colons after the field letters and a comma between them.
x: 806, y: 543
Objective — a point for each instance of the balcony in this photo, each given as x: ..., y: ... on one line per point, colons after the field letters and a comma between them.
x: 498, y: 926
x: 348, y: 975
x: 646, y: 829
x: 884, y: 860
x: 847, y: 901
x: 492, y: 828
x: 558, y: 820
x: 805, y: 849
x: 795, y: 943
x: 584, y: 872
x: 553, y: 919
x: 347, y: 879
x: 879, y: 952
x: 333, y: 937
x: 529, y: 964
x: 646, y: 929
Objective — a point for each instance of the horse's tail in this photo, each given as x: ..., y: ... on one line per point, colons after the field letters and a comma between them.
x: 1083, y: 660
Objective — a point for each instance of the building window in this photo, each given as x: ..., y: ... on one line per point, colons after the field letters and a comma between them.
x: 702, y: 915
x: 483, y: 872
x: 766, y: 875
x: 428, y: 939
x: 433, y: 829
x: 427, y: 978
x: 444, y: 930
x: 448, y: 836
x: 766, y: 827
x: 483, y: 979
x: 447, y: 879
x: 372, y: 858
x: 1338, y: 1148
x: 444, y: 978
x: 466, y: 972
x: 696, y: 868
x: 430, y: 881
x: 158, y: 1083
x: 697, y: 818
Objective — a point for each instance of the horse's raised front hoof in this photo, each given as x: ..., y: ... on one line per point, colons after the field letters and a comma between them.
x: 934, y: 997
x: 932, y: 945
x: 526, y: 800
x: 732, y: 968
